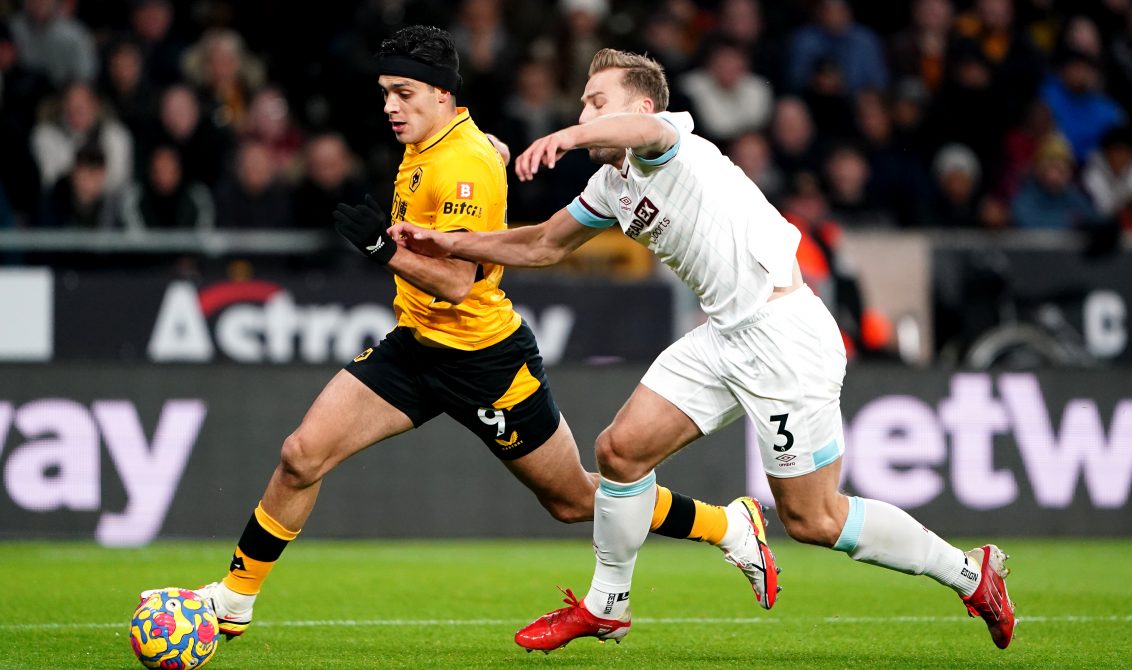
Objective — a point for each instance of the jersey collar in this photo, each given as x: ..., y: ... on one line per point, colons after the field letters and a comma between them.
x: 461, y: 117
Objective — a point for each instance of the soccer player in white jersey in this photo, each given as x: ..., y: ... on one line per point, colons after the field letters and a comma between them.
x: 769, y: 349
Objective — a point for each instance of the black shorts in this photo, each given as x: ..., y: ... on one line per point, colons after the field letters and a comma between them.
x: 500, y: 393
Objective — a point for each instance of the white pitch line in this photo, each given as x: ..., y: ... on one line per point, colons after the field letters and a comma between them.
x: 362, y: 623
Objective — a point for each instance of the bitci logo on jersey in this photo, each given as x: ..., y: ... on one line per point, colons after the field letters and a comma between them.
x: 465, y: 190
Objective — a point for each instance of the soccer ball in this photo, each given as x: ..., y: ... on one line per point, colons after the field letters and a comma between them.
x: 173, y: 629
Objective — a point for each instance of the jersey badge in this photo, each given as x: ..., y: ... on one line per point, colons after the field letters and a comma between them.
x: 415, y: 180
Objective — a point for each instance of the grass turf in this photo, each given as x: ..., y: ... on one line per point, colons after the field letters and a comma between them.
x: 442, y: 604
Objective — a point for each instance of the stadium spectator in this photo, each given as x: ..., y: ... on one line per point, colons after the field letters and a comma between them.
x: 225, y: 75
x: 897, y: 179
x: 793, y: 139
x: 741, y: 22
x: 834, y: 37
x: 80, y: 120
x: 50, y: 41
x: 203, y: 147
x: 727, y: 98
x: 909, y: 108
x: 255, y: 196
x: 330, y: 178
x: 161, y: 50
x: 270, y: 123
x: 1107, y: 176
x: 80, y: 199
x: 1019, y: 147
x: 920, y: 51
x: 1014, y: 65
x: 1050, y: 199
x: 954, y: 200
x: 970, y: 109
x: 21, y: 92
x: 666, y: 37
x: 165, y: 200
x: 529, y: 113
x: 579, y: 34
x: 850, y: 189
x: 1081, y: 110
x: 751, y: 152
x: 1118, y: 60
x: 126, y: 89
x: 487, y: 57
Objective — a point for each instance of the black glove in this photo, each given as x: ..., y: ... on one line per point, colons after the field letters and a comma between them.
x: 365, y: 227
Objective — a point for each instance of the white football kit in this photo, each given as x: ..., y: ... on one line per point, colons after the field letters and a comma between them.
x: 780, y: 362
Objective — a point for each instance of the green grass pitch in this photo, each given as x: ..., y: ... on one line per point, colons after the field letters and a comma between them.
x: 456, y: 604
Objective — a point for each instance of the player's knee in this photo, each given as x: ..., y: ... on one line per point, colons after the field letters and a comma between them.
x: 301, y: 463
x: 810, y: 527
x: 570, y: 511
x: 615, y: 458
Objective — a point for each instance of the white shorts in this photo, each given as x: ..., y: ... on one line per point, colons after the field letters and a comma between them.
x: 784, y: 371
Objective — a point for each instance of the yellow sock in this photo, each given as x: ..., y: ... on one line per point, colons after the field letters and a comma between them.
x: 260, y: 546
x: 677, y: 515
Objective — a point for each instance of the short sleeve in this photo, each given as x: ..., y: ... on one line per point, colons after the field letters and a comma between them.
x: 682, y: 123
x: 591, y: 208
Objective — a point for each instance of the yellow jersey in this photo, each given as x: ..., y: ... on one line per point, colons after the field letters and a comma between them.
x: 455, y: 180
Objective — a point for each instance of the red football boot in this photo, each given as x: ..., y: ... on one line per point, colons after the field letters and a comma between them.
x: 554, y: 630
x: 753, y: 556
x: 990, y: 599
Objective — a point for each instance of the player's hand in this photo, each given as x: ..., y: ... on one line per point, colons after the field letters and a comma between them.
x: 544, y: 151
x: 365, y: 227
x: 421, y: 240
x: 501, y: 147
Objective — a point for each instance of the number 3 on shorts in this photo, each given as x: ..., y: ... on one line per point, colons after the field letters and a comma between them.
x: 781, y: 420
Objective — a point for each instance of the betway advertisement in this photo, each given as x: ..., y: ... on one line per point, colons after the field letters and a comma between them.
x: 328, y: 318
x: 128, y: 453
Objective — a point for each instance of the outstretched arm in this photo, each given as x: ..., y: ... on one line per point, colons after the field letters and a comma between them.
x: 646, y: 134
x: 527, y: 246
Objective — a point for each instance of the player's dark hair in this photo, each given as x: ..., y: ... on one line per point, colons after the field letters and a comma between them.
x: 424, y: 53
x: 642, y: 74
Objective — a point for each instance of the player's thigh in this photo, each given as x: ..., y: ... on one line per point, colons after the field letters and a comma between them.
x: 346, y: 417
x: 554, y: 473
x: 680, y: 398
x: 647, y: 429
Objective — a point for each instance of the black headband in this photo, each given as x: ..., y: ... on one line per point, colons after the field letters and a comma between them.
x: 442, y: 77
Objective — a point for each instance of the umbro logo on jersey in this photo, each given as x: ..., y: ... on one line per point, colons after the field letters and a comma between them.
x: 785, y: 458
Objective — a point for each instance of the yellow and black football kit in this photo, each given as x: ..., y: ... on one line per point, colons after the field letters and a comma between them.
x: 475, y: 361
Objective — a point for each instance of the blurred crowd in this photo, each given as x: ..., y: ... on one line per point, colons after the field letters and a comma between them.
x: 226, y: 114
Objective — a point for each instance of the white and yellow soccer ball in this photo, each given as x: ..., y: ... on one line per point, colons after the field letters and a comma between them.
x: 173, y: 629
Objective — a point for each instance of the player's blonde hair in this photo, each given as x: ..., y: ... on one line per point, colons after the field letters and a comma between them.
x: 642, y: 74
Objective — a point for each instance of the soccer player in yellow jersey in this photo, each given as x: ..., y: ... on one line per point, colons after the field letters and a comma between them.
x: 459, y: 347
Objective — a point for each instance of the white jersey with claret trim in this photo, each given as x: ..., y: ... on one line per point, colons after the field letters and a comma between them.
x: 702, y: 217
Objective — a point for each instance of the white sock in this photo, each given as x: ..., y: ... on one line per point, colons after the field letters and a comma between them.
x: 231, y: 602
x: 622, y: 513
x: 737, y: 528
x: 881, y: 534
